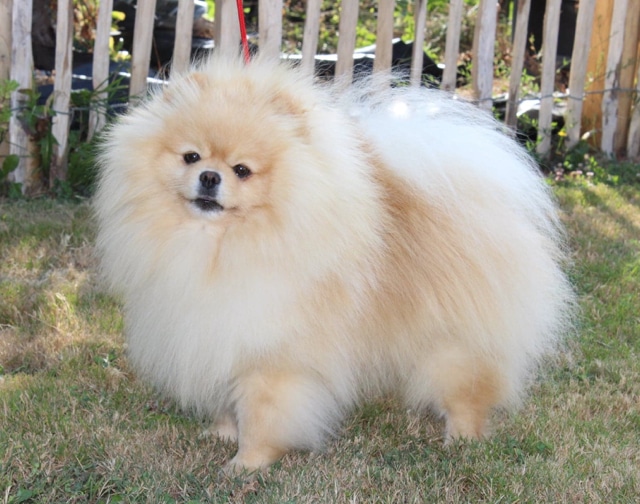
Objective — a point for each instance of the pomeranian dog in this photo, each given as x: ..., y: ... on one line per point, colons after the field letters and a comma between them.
x: 286, y: 249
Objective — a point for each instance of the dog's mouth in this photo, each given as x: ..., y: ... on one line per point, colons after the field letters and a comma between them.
x: 207, y: 204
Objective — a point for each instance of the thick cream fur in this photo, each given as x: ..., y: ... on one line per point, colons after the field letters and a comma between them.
x: 388, y: 241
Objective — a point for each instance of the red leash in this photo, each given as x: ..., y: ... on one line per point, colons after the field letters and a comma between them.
x: 243, y: 32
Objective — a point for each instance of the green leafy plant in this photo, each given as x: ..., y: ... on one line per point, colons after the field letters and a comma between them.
x: 6, y: 88
x: 11, y: 161
x: 584, y: 164
x: 36, y: 118
x: 81, y: 170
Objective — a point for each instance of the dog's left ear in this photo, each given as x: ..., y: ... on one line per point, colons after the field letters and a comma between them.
x: 287, y: 103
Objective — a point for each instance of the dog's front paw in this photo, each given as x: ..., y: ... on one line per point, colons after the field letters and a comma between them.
x: 248, y: 461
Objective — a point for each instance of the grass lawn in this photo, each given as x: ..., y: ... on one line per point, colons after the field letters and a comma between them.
x: 76, y: 426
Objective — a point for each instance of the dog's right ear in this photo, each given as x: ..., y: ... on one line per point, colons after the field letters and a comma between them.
x: 195, y: 81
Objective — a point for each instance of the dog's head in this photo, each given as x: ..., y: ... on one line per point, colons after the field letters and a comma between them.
x: 226, y: 140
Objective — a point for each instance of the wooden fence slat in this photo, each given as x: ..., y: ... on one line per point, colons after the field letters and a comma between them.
x: 517, y: 61
x: 483, y: 53
x: 548, y: 78
x: 627, y: 76
x: 270, y: 28
x: 97, y: 117
x: 226, y: 28
x: 417, y: 55
x: 452, y: 46
x: 62, y: 90
x: 596, y: 70
x: 612, y: 77
x: 579, y: 59
x: 347, y: 39
x: 384, y: 36
x: 633, y: 141
x: 311, y: 35
x: 142, y: 44
x: 21, y: 72
x: 184, y: 34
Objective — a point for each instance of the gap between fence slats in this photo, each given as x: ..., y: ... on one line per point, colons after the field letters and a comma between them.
x: 347, y: 39
x: 548, y: 78
x: 452, y: 46
x: 417, y: 54
x: 100, y: 77
x: 577, y: 78
x: 142, y: 45
x: 310, y: 37
x: 270, y: 28
x: 612, y: 77
x: 517, y: 61
x: 483, y: 52
x: 384, y: 36
x: 184, y: 34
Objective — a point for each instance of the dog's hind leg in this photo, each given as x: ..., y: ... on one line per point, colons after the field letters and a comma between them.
x: 469, y: 394
x: 467, y: 409
x: 463, y: 388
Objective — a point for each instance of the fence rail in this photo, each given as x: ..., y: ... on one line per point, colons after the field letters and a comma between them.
x: 606, y: 45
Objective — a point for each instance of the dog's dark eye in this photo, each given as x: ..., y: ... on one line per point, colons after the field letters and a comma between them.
x: 241, y: 171
x: 191, y: 157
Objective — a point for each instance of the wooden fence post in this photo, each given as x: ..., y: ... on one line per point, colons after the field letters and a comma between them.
x: 548, y: 79
x: 596, y: 69
x: 62, y: 91
x: 628, y: 64
x: 347, y: 39
x: 97, y: 117
x: 612, y: 77
x: 184, y: 35
x: 484, y: 39
x: 384, y: 36
x: 452, y: 48
x: 270, y: 28
x: 417, y: 55
x: 517, y: 62
x: 311, y: 35
x: 22, y: 72
x: 581, y: 47
x: 633, y: 141
x: 142, y: 44
x: 226, y: 28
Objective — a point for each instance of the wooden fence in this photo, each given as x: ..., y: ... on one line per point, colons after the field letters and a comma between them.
x: 603, y: 89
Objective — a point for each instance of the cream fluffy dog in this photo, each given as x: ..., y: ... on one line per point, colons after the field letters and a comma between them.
x: 285, y: 250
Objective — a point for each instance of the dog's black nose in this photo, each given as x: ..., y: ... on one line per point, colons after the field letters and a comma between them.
x: 210, y: 179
